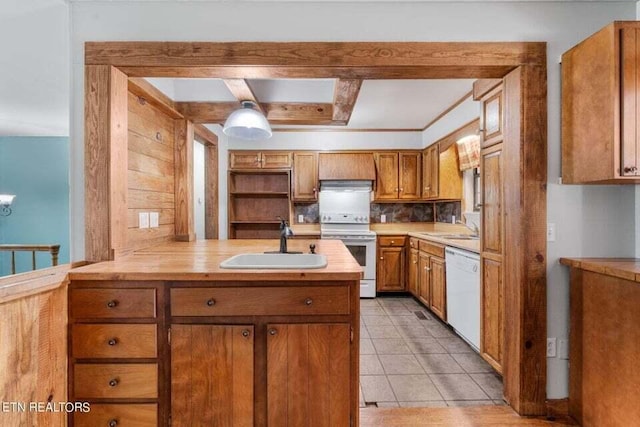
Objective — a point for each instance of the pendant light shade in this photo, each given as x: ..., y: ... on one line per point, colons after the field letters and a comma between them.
x: 247, y: 123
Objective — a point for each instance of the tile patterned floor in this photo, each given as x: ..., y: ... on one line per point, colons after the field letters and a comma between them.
x: 406, y: 361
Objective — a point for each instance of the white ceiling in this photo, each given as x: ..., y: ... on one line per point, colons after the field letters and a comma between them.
x: 381, y: 104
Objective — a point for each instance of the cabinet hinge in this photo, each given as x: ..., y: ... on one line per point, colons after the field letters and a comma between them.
x: 169, y: 336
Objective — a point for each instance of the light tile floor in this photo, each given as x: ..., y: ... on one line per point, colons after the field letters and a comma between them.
x: 406, y: 361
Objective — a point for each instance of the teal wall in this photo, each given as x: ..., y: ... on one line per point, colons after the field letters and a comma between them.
x: 36, y: 170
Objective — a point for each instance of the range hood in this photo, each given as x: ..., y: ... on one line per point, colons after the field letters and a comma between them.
x: 346, y: 167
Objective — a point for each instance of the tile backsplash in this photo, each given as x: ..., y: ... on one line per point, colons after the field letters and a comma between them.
x: 395, y: 212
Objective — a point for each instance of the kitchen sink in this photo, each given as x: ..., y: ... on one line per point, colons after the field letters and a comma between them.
x: 454, y: 236
x: 275, y: 261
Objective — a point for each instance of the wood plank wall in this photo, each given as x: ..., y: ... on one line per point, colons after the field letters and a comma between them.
x: 151, y: 172
x: 33, y: 356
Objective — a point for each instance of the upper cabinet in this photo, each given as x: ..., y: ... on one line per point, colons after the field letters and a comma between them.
x: 430, y: 162
x: 600, y: 94
x: 398, y: 175
x: 441, y: 176
x: 259, y: 160
x: 305, y: 177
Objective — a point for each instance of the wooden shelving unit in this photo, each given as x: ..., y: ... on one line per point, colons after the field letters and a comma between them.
x: 256, y: 199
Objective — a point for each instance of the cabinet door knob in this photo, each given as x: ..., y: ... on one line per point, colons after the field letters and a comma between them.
x: 112, y: 341
x: 114, y: 382
x: 393, y: 241
x: 414, y: 262
x: 381, y: 258
x: 113, y: 423
x: 401, y: 189
x: 308, y: 301
x: 629, y: 169
x: 211, y: 302
x: 112, y: 304
x: 246, y: 333
x: 273, y: 331
x: 427, y: 268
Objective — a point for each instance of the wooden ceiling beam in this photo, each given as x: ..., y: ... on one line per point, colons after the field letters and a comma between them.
x: 329, y: 72
x: 344, y: 98
x: 204, y: 135
x: 142, y: 88
x: 277, y: 113
x: 318, y: 54
x: 241, y: 90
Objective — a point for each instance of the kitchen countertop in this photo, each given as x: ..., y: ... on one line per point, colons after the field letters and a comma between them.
x: 413, y: 229
x: 624, y: 268
x: 200, y: 260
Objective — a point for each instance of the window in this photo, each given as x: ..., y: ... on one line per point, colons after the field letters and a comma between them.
x: 477, y: 200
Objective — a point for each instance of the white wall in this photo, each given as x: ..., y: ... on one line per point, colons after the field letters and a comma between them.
x: 198, y: 189
x: 34, y: 68
x: 454, y: 119
x: 590, y: 220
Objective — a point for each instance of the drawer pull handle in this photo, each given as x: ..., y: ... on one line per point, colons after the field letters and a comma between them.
x: 211, y: 302
x: 114, y: 382
x: 308, y: 301
x: 246, y: 333
x: 393, y: 241
x: 273, y: 331
x: 112, y: 341
x: 113, y: 423
x: 113, y: 303
x: 630, y: 169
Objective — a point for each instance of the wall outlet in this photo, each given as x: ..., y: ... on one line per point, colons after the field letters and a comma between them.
x: 300, y: 219
x: 383, y: 218
x: 551, y: 347
x: 563, y: 349
x: 551, y: 232
x: 143, y: 220
x: 154, y: 219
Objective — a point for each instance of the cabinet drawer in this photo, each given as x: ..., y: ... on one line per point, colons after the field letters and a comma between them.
x: 113, y: 303
x: 260, y: 301
x: 114, y: 341
x: 394, y: 241
x: 432, y: 248
x: 109, y: 381
x: 123, y: 415
x: 413, y: 243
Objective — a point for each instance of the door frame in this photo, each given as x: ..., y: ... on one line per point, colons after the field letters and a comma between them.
x: 108, y: 64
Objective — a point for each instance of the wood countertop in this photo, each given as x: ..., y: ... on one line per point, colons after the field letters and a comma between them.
x: 467, y: 245
x: 623, y: 268
x: 201, y: 260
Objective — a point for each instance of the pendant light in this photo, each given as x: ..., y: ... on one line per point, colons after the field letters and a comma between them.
x: 247, y: 123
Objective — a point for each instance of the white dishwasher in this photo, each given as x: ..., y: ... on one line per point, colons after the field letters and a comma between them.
x: 463, y: 293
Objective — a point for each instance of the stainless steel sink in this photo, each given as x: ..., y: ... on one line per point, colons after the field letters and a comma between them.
x: 454, y: 236
x: 275, y: 261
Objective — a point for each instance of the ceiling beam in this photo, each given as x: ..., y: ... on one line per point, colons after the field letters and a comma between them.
x: 142, y: 88
x: 277, y: 113
x: 344, y: 98
x: 241, y: 90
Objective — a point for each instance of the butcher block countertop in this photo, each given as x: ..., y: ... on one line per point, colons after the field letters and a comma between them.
x: 201, y: 260
x: 623, y: 268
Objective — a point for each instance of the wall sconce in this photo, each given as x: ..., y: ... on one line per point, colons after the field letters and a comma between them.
x: 5, y: 204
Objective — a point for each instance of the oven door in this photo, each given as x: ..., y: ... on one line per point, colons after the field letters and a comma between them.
x: 364, y: 251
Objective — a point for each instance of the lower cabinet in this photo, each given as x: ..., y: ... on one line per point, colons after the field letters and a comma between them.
x: 212, y: 375
x: 427, y: 276
x: 225, y: 355
x: 390, y: 274
x: 492, y: 313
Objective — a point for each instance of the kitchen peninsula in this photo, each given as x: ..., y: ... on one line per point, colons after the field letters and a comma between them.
x: 165, y: 335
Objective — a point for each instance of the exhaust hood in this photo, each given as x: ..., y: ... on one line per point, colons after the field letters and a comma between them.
x: 346, y: 167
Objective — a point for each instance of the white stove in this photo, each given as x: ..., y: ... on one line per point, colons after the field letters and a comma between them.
x: 344, y: 215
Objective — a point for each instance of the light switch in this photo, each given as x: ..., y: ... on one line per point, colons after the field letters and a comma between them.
x: 143, y: 220
x: 300, y: 219
x: 383, y: 218
x: 154, y: 219
x: 551, y: 232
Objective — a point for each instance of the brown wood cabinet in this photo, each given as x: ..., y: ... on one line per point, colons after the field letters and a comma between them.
x: 492, y: 117
x: 427, y: 275
x: 600, y: 120
x: 430, y: 171
x: 391, y: 264
x: 305, y: 177
x: 256, y: 199
x: 492, y: 304
x: 241, y: 159
x: 212, y: 375
x: 232, y: 355
x: 398, y: 175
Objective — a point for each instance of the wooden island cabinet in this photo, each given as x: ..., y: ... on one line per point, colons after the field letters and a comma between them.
x: 188, y: 343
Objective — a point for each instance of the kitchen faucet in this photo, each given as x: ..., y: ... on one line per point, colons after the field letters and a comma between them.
x: 285, y: 232
x: 475, y: 232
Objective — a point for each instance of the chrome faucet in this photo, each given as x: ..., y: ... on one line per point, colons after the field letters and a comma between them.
x: 285, y: 232
x: 475, y: 232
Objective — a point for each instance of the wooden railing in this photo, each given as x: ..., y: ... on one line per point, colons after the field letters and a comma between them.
x: 52, y: 249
